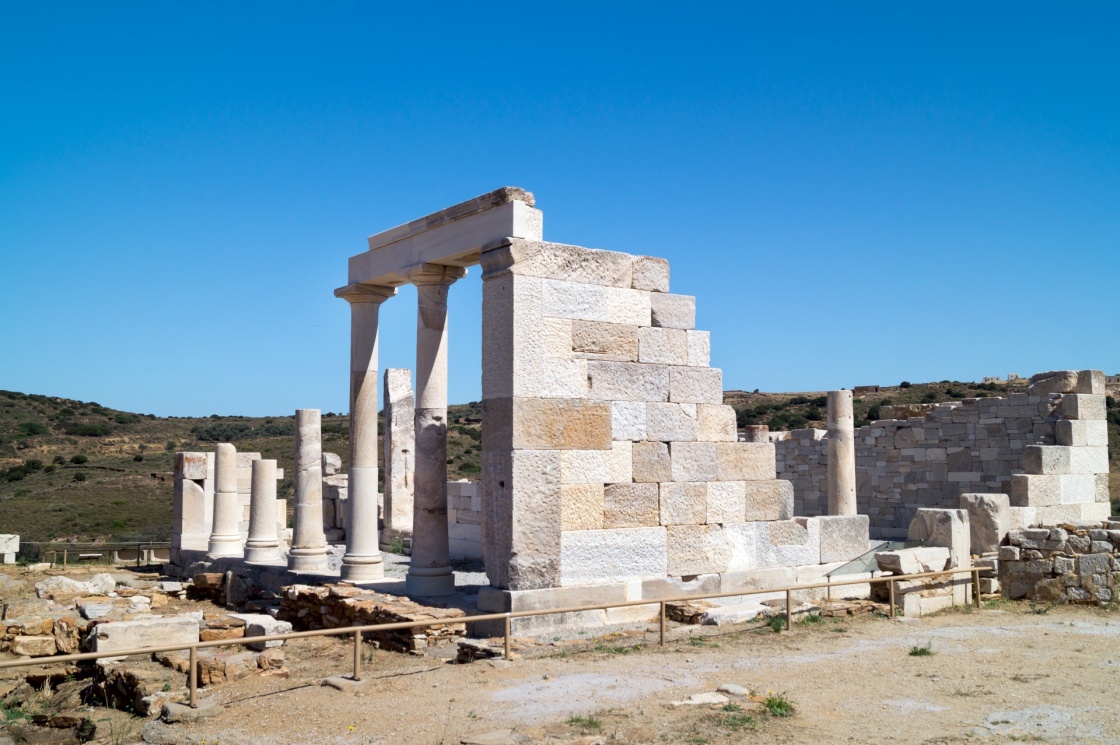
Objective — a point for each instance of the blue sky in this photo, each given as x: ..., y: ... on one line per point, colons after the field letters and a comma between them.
x: 856, y: 193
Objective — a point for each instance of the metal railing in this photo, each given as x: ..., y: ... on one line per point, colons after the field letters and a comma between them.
x: 357, y: 631
x: 83, y: 551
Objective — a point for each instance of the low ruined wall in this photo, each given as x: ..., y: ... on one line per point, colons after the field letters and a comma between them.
x: 1060, y: 565
x: 970, y: 446
x: 464, y: 520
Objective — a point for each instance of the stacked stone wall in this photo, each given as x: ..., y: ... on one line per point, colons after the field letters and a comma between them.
x: 1062, y: 564
x: 464, y: 519
x: 1047, y: 449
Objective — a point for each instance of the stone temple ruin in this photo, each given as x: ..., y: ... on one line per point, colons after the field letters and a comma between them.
x: 611, y: 469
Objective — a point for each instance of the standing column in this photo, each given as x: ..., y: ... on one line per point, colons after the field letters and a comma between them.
x: 399, y: 442
x: 309, y: 544
x: 225, y: 535
x: 430, y: 570
x: 841, y: 454
x: 363, y: 558
x: 264, y: 543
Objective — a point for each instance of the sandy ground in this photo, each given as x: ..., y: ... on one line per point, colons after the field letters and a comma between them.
x: 1001, y: 675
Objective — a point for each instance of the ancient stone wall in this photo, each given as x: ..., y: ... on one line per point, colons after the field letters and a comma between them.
x: 1056, y: 564
x: 986, y: 445
x: 608, y: 455
x: 464, y: 519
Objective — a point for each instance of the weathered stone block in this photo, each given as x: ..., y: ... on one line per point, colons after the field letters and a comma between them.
x: 1021, y: 517
x: 605, y: 341
x: 581, y: 506
x: 1054, y: 381
x: 1088, y: 460
x: 154, y: 632
x: 627, y: 381
x: 559, y: 261
x: 670, y: 422
x: 1091, y: 382
x: 715, y: 423
x: 743, y: 538
x: 726, y: 500
x: 789, y: 542
x: 948, y: 528
x: 631, y: 505
x: 586, y: 302
x: 628, y: 420
x: 768, y: 500
x: 843, y: 537
x: 1083, y: 406
x: 592, y: 557
x: 696, y: 385
x: 551, y: 423
x: 684, y: 504
x: 663, y: 346
x: 694, y: 461
x: 191, y: 466
x: 651, y: 462
x: 744, y: 461
x: 650, y: 273
x: 673, y: 311
x: 989, y: 520
x: 697, y: 549
x: 1046, y: 459
x: 597, y: 466
x: 699, y: 348
x: 1081, y: 432
x: 914, y: 560
x: 262, y: 624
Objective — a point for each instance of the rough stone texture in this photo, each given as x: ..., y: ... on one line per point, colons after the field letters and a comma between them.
x: 696, y: 385
x: 628, y: 420
x: 693, y: 461
x: 631, y: 505
x: 590, y: 557
x: 673, y: 311
x: 715, y: 423
x: 627, y: 381
x: 843, y: 537
x: 671, y: 422
x: 663, y: 346
x: 768, y: 500
x: 744, y: 461
x: 261, y: 624
x: 1053, y: 564
x: 684, y: 504
x: 948, y: 528
x: 989, y: 519
x: 650, y: 273
x: 697, y: 549
x: 727, y: 502
x: 605, y: 341
x: 651, y: 462
x: 1054, y: 381
x: 913, y: 560
x: 581, y: 506
x: 112, y: 636
x: 399, y: 455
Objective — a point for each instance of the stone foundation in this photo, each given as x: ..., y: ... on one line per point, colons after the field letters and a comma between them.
x: 1070, y: 564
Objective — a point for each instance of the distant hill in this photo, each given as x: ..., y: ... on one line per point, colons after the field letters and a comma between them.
x: 78, y: 470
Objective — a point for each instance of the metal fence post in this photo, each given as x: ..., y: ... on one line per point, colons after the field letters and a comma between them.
x: 891, y: 585
x: 507, y: 624
x: 976, y: 587
x: 662, y: 619
x: 194, y: 677
x: 789, y: 610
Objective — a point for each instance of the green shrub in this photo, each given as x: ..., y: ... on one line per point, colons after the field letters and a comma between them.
x: 32, y: 429
x: 904, y: 384
x: 929, y: 398
x: 66, y: 412
x: 79, y: 459
x: 122, y: 418
x: 58, y: 459
x: 33, y: 464
x: 778, y: 705
x: 138, y: 457
x: 49, y: 469
x: 79, y: 476
x: 89, y: 430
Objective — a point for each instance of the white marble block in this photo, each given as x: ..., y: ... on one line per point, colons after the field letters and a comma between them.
x: 673, y: 311
x: 591, y: 557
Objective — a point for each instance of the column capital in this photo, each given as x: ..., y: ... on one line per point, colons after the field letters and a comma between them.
x: 435, y: 274
x: 359, y: 293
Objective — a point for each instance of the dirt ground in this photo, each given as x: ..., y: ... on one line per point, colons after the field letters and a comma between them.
x: 1010, y: 673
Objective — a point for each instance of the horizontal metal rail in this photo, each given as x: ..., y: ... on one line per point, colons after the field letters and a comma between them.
x: 358, y: 631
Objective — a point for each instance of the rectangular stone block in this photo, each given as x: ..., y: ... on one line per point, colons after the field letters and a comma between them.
x: 670, y: 422
x: 694, y: 461
x: 1091, y: 382
x: 9, y: 543
x: 696, y: 385
x: 564, y: 262
x: 789, y: 542
x: 1083, y: 406
x: 745, y: 461
x: 673, y: 311
x: 699, y: 348
x: 948, y: 528
x: 1101, y: 480
x: 989, y: 520
x: 587, y: 302
x: 697, y: 549
x: 1088, y: 460
x: 547, y: 424
x: 684, y: 504
x: 605, y: 341
x: 726, y: 501
x: 651, y: 462
x: 627, y: 381
x: 581, y: 506
x: 593, y: 557
x: 650, y: 273
x: 597, y: 466
x: 191, y: 466
x: 716, y: 423
x: 1046, y: 459
x: 1081, y: 432
x: 843, y: 537
x: 675, y: 587
x: 150, y: 632
x: 631, y: 506
x: 628, y: 420
x: 767, y: 500
x: 1073, y: 513
x: 663, y: 346
x: 743, y: 539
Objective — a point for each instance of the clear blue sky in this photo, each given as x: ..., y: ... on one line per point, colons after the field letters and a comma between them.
x: 857, y: 193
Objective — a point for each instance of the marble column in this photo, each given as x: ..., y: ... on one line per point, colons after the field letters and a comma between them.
x: 399, y: 442
x: 225, y: 534
x: 841, y: 454
x: 309, y: 544
x: 430, y: 570
x: 362, y: 561
x: 263, y: 544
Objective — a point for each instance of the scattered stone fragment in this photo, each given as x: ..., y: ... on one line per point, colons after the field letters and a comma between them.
x: 700, y: 699
x: 733, y: 690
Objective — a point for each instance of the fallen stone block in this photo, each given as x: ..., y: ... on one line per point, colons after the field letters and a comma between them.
x: 701, y: 699
x: 261, y: 624
x: 154, y: 632
x: 33, y: 646
x: 913, y: 560
x: 732, y: 614
x: 207, y: 707
x: 989, y: 520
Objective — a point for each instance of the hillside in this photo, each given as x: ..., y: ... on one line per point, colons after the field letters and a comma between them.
x: 80, y: 471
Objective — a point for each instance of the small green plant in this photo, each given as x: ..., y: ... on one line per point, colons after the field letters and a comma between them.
x: 79, y: 459
x: 812, y: 618
x: 618, y: 649
x: 11, y: 713
x: 397, y: 545
x: 700, y: 641
x: 738, y: 720
x: 79, y: 476
x: 924, y: 650
x: 166, y: 686
x: 590, y: 722
x: 776, y: 623
x: 778, y: 704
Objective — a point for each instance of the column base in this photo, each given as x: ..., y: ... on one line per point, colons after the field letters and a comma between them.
x: 224, y: 545
x: 430, y: 582
x: 267, y: 553
x: 307, y: 559
x: 362, y: 568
